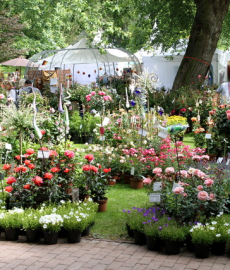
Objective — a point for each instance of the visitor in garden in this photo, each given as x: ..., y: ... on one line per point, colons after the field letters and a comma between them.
x: 223, y: 92
x: 39, y: 84
x: 21, y: 84
x: 28, y: 88
x: 10, y: 92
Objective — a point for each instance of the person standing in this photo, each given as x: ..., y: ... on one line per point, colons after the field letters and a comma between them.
x: 11, y: 92
x: 223, y: 94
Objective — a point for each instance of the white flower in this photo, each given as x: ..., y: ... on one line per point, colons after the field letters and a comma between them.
x: 191, y: 230
x: 218, y: 235
x: 212, y: 228
x: 214, y: 222
x: 44, y: 226
x: 228, y: 231
x: 226, y: 224
x: 62, y: 201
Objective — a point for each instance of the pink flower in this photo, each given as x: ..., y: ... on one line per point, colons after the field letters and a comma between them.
x: 205, y: 157
x: 212, y: 196
x: 199, y: 187
x: 203, y: 196
x: 185, y: 194
x: 178, y: 190
x: 2, y: 96
x: 101, y: 93
x: 93, y: 93
x: 169, y: 170
x: 196, y: 158
x: 69, y: 154
x: 157, y: 170
x: 183, y: 173
x: 208, y: 182
x: 105, y: 98
x: 147, y: 181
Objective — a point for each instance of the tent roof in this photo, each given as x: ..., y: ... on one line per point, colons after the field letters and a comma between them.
x: 81, y: 53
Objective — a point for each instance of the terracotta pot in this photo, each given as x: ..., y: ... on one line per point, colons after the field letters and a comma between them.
x: 126, y: 178
x: 111, y: 182
x: 117, y: 177
x: 136, y: 183
x: 102, y: 204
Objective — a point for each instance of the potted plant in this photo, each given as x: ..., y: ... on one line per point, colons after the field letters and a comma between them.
x: 152, y: 232
x: 51, y: 225
x: 96, y: 182
x: 136, y: 221
x: 202, y: 237
x: 31, y: 225
x: 11, y: 221
x: 220, y: 232
x: 173, y: 237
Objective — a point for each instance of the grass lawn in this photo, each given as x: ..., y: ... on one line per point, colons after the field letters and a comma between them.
x: 188, y: 139
x: 111, y: 224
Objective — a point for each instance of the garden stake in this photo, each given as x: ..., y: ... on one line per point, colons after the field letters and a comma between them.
x: 177, y: 158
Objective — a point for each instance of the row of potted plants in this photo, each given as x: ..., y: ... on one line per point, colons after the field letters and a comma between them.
x: 152, y: 226
x: 72, y: 218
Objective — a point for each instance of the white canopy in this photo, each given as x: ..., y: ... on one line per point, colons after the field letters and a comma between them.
x: 81, y: 53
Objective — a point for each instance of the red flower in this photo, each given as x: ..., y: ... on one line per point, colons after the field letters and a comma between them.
x: 90, y: 168
x: 69, y: 154
x: 27, y: 186
x: 18, y: 157
x: 27, y: 162
x: 48, y: 175
x: 31, y: 166
x: 89, y: 157
x: 55, y: 169
x: 99, y: 166
x: 107, y: 170
x: 67, y: 170
x: 8, y: 189
x: 183, y: 110
x: 11, y: 180
x: 43, y: 132
x: 94, y: 169
x: 44, y: 148
x: 53, y: 153
x: 30, y: 151
x: 20, y: 168
x: 37, y: 180
x: 6, y: 167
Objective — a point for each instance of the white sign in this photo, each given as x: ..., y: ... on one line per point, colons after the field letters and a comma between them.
x: 132, y: 171
x: 163, y: 134
x: 157, y: 186
x: 154, y: 197
x: 175, y: 185
x: 227, y: 163
x: 105, y: 121
x: 208, y: 136
x: 142, y: 132
x: 8, y: 146
x: 53, y: 89
x: 43, y: 154
x: 102, y: 138
x: 53, y: 81
x: 219, y: 160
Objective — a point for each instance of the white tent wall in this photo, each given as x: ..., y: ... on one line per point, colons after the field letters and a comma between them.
x: 166, y: 69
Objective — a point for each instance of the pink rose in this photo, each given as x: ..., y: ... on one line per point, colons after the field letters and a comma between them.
x: 208, y: 182
x: 157, y: 170
x: 203, y: 196
x: 196, y: 158
x: 2, y: 96
x: 178, y: 190
x: 93, y: 93
x: 169, y: 170
x: 205, y: 157
x: 183, y: 173
x: 185, y: 194
x: 212, y: 196
x: 105, y: 98
x: 147, y: 181
x: 69, y: 154
x: 199, y: 187
x: 101, y: 93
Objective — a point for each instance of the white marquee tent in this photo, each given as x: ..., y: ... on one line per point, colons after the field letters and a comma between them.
x: 166, y: 69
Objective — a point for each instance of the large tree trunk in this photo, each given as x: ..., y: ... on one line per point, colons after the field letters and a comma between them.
x: 203, y: 40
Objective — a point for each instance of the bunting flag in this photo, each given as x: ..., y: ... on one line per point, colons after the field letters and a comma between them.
x: 44, y: 63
